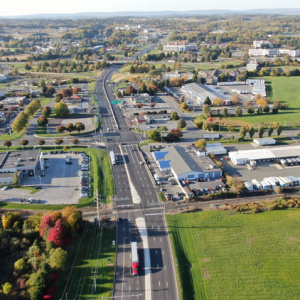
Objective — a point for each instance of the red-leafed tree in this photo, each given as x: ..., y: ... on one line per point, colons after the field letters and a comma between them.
x: 57, y: 233
x: 46, y: 223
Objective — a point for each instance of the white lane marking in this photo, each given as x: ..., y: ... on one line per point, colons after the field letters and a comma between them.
x: 161, y: 239
x: 159, y: 283
x: 141, y: 225
x: 129, y: 288
x: 163, y: 252
x: 167, y: 284
x: 165, y: 268
x: 153, y: 215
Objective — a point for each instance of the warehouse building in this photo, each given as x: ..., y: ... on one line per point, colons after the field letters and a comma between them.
x: 186, y: 166
x: 215, y: 149
x: 264, y: 155
x: 200, y: 92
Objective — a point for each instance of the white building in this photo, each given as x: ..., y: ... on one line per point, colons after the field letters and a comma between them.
x: 264, y: 141
x: 291, y: 53
x: 215, y: 149
x: 273, y: 52
x: 179, y: 47
x: 261, y: 155
x: 260, y: 44
x: 13, y: 100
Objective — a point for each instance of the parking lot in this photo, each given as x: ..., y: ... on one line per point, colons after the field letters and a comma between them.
x: 61, y: 183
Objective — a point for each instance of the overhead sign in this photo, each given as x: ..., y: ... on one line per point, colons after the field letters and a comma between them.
x: 116, y: 102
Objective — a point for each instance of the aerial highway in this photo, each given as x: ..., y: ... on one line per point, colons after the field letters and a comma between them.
x: 140, y: 214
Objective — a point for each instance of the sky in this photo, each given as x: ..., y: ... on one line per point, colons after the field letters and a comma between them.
x: 25, y: 7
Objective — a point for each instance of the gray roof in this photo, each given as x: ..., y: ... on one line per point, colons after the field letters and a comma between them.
x: 183, y: 162
x: 202, y: 91
x: 25, y: 159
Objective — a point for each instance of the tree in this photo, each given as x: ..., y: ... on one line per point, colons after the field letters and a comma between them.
x: 42, y: 121
x: 278, y: 189
x: 266, y: 109
x: 79, y: 126
x: 59, y: 141
x: 184, y: 106
x: 57, y: 233
x: 152, y: 104
x: 235, y: 100
x: 251, y: 132
x: 16, y: 178
x: 207, y: 101
x: 235, y: 186
x: 181, y: 123
x: 58, y: 259
x: 181, y: 99
x: 7, y: 143
x: 261, y: 131
x: 243, y: 132
x: 20, y: 265
x: 61, y: 109
x: 225, y: 112
x: 73, y: 217
x: 7, y: 288
x: 270, y: 131
x: 9, y: 218
x: 154, y: 135
x: 24, y: 143
x: 75, y: 141
x: 198, y: 123
x: 206, y: 110
x: 60, y: 128
x: 20, y: 122
x: 130, y: 90
x: 200, y: 144
x: 41, y: 142
x: 174, y: 116
x: 70, y: 127
x: 46, y: 111
x: 262, y: 102
x: 218, y: 102
x: 239, y: 111
x: 15, y: 71
x: 45, y: 226
x: 250, y: 110
x: 279, y: 130
x: 174, y: 135
x: 139, y: 105
x: 36, y: 283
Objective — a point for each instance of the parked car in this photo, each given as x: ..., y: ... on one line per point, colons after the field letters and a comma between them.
x: 5, y: 188
x: 37, y: 187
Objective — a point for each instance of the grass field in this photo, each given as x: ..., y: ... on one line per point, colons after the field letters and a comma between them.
x: 92, y: 252
x: 221, y: 255
x: 287, y: 91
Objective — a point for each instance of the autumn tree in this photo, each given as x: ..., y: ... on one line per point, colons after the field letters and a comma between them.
x: 41, y: 142
x: 198, y: 123
x: 79, y: 126
x: 20, y: 122
x: 70, y: 127
x: 218, y: 102
x: 262, y: 102
x: 46, y: 111
x: 58, y: 259
x: 42, y: 121
x: 174, y: 135
x: 9, y: 219
x: 181, y: 124
x: 75, y: 141
x: 45, y: 226
x: 59, y: 141
x: 152, y: 104
x: 57, y: 233
x: 200, y: 144
x: 235, y: 186
x: 7, y: 143
x: 235, y: 100
x: 60, y: 128
x: 239, y: 111
x: 24, y: 143
x: 61, y: 109
x: 184, y: 106
x: 174, y: 116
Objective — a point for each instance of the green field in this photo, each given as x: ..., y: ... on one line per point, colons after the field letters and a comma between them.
x: 222, y: 255
x: 287, y: 91
x: 92, y: 252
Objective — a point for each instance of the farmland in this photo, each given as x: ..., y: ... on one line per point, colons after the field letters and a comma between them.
x: 221, y: 255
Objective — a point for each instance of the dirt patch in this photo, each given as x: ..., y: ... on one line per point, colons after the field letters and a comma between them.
x: 293, y: 239
x: 206, y: 273
x: 206, y: 259
x: 249, y: 241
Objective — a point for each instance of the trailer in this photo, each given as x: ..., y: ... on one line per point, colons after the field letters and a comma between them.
x: 266, y: 185
x: 282, y: 182
x: 248, y: 186
x: 270, y: 181
x: 257, y: 184
x: 134, y: 259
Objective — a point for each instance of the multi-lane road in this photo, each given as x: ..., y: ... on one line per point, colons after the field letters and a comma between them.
x: 140, y: 215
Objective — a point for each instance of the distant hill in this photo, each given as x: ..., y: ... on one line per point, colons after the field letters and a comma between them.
x: 279, y: 11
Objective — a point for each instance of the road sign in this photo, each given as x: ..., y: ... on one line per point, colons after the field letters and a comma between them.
x: 116, y: 102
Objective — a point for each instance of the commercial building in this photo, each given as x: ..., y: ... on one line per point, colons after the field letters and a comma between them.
x: 179, y: 47
x: 25, y: 162
x: 200, y: 92
x: 273, y: 52
x: 264, y: 155
x: 264, y: 141
x: 141, y: 98
x: 259, y: 88
x: 215, y: 149
x: 186, y: 165
x: 13, y: 100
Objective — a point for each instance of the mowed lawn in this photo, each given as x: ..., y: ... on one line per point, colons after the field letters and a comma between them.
x: 222, y: 255
x: 287, y: 91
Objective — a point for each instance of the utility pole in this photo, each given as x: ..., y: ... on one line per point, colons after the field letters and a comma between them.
x: 98, y: 213
x: 95, y: 274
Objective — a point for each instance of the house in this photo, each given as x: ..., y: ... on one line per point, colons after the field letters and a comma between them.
x: 4, y: 78
x: 74, y: 99
x: 140, y: 120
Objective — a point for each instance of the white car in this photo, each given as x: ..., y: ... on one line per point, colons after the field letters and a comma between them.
x: 5, y: 188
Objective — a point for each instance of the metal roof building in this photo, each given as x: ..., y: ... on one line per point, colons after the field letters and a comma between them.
x: 267, y: 154
x: 200, y: 92
x: 186, y: 166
